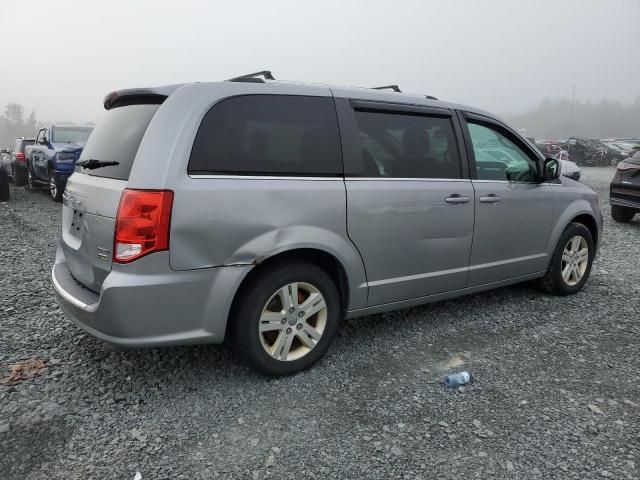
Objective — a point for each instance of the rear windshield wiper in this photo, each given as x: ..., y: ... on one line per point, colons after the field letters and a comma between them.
x: 92, y: 164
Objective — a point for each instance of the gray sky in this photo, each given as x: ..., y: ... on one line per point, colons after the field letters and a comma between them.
x: 62, y: 57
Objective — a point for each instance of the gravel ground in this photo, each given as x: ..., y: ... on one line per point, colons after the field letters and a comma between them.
x: 557, y: 392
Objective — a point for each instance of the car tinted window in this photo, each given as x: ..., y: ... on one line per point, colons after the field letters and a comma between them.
x: 116, y: 138
x: 407, y: 146
x: 268, y: 135
x: 499, y: 158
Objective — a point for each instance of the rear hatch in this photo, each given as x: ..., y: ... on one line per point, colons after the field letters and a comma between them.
x: 628, y: 185
x: 92, y: 195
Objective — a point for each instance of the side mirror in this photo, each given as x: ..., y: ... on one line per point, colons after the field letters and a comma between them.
x: 550, y: 170
x: 44, y: 141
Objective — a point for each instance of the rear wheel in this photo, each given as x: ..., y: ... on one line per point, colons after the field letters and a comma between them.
x: 285, y: 319
x: 622, y: 214
x: 571, y: 262
x: 19, y: 177
x: 55, y: 187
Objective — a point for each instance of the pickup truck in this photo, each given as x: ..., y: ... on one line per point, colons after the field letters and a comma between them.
x: 52, y: 159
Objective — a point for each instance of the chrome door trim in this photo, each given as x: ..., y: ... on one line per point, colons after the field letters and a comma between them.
x: 262, y: 177
x: 387, y: 281
x: 390, y: 179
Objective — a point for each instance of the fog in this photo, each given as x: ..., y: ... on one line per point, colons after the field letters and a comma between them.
x: 61, y: 58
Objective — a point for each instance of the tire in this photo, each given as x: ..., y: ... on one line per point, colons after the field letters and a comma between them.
x: 56, y: 188
x: 622, y: 214
x: 259, y: 300
x: 554, y: 282
x: 19, y: 179
x: 30, y: 185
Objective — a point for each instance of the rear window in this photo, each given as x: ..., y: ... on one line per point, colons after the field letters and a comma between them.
x: 268, y: 135
x: 21, y: 144
x: 116, y: 138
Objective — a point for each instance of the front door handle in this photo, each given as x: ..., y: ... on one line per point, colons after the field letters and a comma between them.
x: 491, y: 198
x: 457, y: 199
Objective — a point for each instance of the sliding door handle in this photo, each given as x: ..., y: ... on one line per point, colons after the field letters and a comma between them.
x: 457, y: 199
x: 491, y: 198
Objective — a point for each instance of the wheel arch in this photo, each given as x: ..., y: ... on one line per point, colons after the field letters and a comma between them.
x: 588, y: 221
x: 328, y: 262
x: 579, y: 212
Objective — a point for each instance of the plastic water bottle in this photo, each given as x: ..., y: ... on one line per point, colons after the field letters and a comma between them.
x: 456, y: 379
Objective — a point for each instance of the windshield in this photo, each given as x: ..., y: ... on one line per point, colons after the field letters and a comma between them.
x: 70, y: 134
x: 116, y: 138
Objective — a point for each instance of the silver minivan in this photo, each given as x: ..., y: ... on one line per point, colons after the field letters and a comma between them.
x: 263, y: 213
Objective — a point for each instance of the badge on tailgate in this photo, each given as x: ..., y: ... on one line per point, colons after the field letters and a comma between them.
x: 103, y: 253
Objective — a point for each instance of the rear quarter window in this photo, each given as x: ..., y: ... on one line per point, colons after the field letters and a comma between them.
x: 117, y: 138
x: 268, y: 135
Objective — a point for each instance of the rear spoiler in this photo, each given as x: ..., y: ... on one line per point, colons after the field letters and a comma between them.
x: 139, y: 96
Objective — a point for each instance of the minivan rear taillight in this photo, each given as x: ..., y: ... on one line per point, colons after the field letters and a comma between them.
x: 142, y: 224
x: 20, y: 157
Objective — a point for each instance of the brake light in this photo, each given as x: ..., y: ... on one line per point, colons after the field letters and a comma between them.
x: 20, y: 157
x: 142, y: 224
x: 623, y: 166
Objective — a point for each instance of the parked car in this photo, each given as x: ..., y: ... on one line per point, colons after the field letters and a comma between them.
x: 264, y: 213
x: 51, y: 160
x: 615, y: 152
x: 586, y: 151
x: 15, y: 161
x: 5, y: 163
x: 553, y: 149
x: 633, y: 141
x: 624, y: 191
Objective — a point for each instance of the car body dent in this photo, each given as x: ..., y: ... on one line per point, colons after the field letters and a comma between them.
x: 308, y: 237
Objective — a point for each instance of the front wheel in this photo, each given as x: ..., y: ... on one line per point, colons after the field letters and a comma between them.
x: 31, y: 181
x: 622, y: 214
x: 571, y: 261
x: 55, y: 187
x: 285, y: 318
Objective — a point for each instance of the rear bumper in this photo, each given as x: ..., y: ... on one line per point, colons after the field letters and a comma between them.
x: 150, y: 304
x: 620, y: 202
x: 624, y: 195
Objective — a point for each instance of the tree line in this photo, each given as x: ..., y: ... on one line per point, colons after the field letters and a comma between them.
x: 13, y: 124
x: 555, y: 119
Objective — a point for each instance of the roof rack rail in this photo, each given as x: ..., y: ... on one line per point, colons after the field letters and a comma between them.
x: 253, y: 77
x: 395, y: 88
x: 430, y: 97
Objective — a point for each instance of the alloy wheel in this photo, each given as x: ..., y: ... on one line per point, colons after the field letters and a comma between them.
x: 575, y: 259
x: 292, y: 321
x: 53, y: 188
